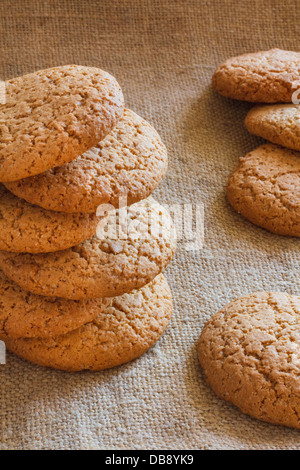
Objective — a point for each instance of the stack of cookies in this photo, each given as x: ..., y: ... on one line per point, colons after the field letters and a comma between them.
x: 265, y: 187
x: 83, y: 244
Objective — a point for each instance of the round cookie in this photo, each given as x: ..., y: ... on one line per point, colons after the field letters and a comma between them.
x: 249, y: 352
x: 25, y: 228
x: 109, y: 264
x: 26, y: 315
x: 265, y: 189
x: 52, y: 116
x: 279, y: 124
x: 131, y: 161
x: 122, y: 332
x: 262, y: 77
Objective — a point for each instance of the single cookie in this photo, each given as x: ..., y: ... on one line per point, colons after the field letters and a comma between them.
x: 122, y: 332
x: 262, y: 77
x: 265, y: 188
x: 25, y: 228
x: 131, y: 161
x: 52, y: 116
x: 111, y: 263
x: 25, y: 315
x: 249, y: 352
x: 279, y: 124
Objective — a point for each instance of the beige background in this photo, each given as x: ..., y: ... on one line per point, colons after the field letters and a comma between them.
x: 163, y: 53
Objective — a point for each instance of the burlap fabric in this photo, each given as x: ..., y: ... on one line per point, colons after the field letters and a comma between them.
x: 163, y: 53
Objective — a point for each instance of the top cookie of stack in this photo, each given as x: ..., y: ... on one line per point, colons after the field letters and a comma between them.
x: 52, y: 116
x: 261, y: 77
x: 264, y: 187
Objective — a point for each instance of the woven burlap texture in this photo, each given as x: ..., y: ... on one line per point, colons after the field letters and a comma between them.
x: 163, y: 53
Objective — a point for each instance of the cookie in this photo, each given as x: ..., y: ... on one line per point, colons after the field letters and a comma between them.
x: 25, y: 228
x: 122, y: 332
x: 249, y: 352
x: 265, y: 189
x: 262, y: 77
x: 279, y: 124
x: 25, y: 315
x: 52, y: 116
x: 111, y: 263
x: 131, y: 161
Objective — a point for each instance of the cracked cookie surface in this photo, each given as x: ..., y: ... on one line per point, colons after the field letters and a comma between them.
x: 122, y: 332
x: 26, y: 315
x: 250, y: 355
x: 279, y: 124
x: 25, y: 228
x: 265, y: 189
x: 265, y: 77
x: 131, y: 161
x: 52, y: 116
x: 127, y: 252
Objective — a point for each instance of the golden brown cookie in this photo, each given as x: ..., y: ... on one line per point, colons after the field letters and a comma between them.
x: 249, y: 352
x: 111, y: 263
x: 52, y: 116
x: 131, y: 161
x: 279, y: 124
x: 25, y: 228
x: 262, y: 77
x: 265, y: 188
x: 122, y: 332
x: 26, y: 315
